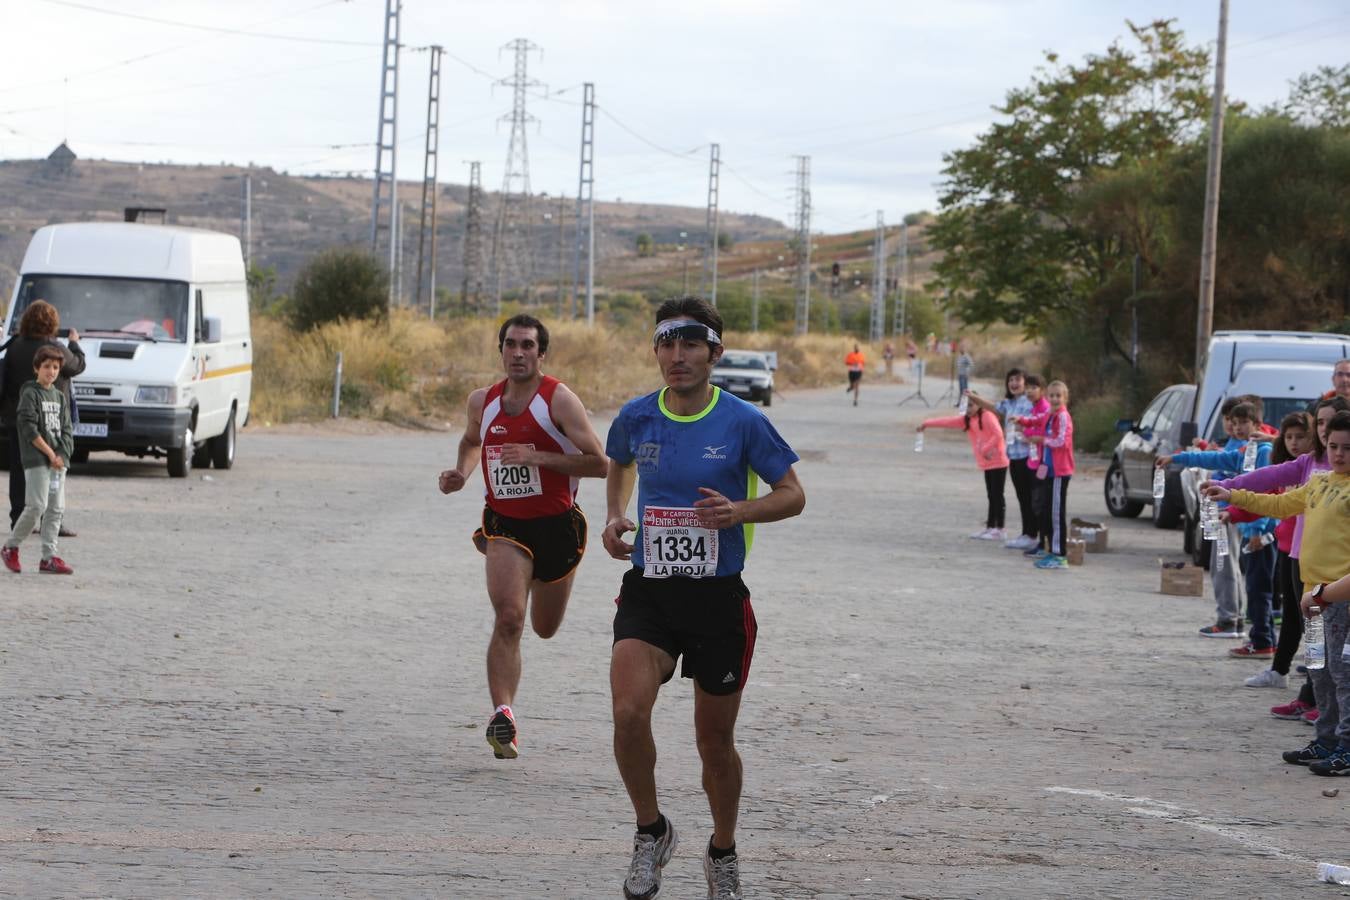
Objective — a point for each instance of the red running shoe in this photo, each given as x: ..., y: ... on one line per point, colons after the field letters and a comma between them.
x: 1310, y: 717
x: 1294, y: 709
x: 1247, y: 651
x: 55, y: 566
x: 11, y: 557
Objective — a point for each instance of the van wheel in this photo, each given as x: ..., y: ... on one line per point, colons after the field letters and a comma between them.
x: 1168, y: 512
x: 768, y: 397
x: 222, y: 446
x: 201, y: 457
x: 180, y: 458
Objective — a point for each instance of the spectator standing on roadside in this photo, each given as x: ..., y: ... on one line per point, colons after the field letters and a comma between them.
x: 1031, y: 425
x: 991, y: 456
x: 965, y: 366
x: 46, y: 435
x: 37, y: 328
x: 1055, y: 469
x: 1016, y: 403
x: 912, y: 351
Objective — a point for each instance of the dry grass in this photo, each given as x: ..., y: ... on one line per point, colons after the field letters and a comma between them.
x: 418, y: 373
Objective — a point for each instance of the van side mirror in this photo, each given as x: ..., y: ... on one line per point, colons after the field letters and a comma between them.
x: 1188, y: 432
x: 211, y: 330
x: 1124, y: 424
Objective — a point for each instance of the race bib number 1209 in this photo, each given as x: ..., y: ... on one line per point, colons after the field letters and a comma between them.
x: 675, y: 544
x: 511, y: 482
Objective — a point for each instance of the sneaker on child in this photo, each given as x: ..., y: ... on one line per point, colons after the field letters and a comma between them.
x: 1049, y: 561
x: 1294, y: 709
x: 1021, y: 542
x: 1267, y: 678
x: 1221, y: 630
x: 55, y: 566
x: 10, y: 557
x: 1251, y: 651
x: 1315, y: 750
x: 1338, y: 763
x: 1311, y: 716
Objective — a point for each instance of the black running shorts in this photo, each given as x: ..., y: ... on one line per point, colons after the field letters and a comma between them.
x: 555, y: 543
x: 707, y: 621
x: 854, y: 375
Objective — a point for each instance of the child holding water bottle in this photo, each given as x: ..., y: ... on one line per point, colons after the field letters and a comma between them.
x: 46, y: 441
x: 1055, y: 466
x: 1324, y: 502
x: 991, y: 456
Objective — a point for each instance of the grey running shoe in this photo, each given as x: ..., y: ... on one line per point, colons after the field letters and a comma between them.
x: 649, y: 855
x: 724, y: 877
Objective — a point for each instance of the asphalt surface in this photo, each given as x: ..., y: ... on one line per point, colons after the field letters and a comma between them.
x: 270, y: 683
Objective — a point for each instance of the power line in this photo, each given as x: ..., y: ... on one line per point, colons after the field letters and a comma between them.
x: 686, y: 155
x: 240, y: 32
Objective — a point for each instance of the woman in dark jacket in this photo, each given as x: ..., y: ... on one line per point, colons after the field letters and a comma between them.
x: 37, y: 327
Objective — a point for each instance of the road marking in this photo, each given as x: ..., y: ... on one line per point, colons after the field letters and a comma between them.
x: 1172, y: 812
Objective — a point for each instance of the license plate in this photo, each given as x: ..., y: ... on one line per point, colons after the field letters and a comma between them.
x: 92, y: 429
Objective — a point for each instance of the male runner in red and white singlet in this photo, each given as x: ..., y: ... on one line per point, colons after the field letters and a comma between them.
x: 534, y: 440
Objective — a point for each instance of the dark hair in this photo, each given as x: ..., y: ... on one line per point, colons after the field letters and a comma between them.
x: 46, y: 352
x: 695, y: 308
x: 1226, y: 408
x: 524, y: 321
x: 1244, y: 411
x: 976, y: 411
x: 1256, y: 403
x: 40, y: 320
x: 1033, y: 381
x: 1337, y: 404
x: 1280, y: 453
x: 1007, y: 394
x: 1341, y: 422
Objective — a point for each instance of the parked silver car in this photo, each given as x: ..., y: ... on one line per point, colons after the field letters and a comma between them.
x: 1129, y: 479
x: 747, y: 374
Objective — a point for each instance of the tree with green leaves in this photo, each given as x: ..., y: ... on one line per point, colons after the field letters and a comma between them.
x: 1321, y: 97
x: 339, y: 283
x: 645, y: 245
x: 1015, y: 248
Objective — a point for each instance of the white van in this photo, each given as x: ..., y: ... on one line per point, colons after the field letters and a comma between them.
x: 163, y: 319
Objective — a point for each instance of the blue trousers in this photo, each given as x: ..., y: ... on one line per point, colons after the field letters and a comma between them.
x: 1260, y: 583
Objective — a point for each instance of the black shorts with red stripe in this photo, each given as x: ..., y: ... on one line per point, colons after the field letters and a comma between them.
x: 706, y: 621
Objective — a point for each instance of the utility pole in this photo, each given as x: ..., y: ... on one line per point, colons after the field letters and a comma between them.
x: 429, y: 167
x: 386, y: 141
x: 709, y: 281
x: 879, y: 280
x: 511, y: 233
x: 399, y: 213
x: 562, y: 242
x: 1204, y: 317
x: 803, y: 241
x: 248, y: 221
x: 754, y: 301
x: 901, y: 274
x: 586, y: 206
x: 473, y: 242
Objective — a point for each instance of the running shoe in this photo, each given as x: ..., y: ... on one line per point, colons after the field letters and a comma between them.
x: 1338, y: 763
x: 1052, y: 562
x: 1221, y: 630
x: 1294, y: 709
x: 1250, y: 651
x: 1310, y: 717
x: 650, y: 854
x: 1267, y: 678
x: 501, y: 734
x: 1035, y: 551
x: 995, y: 534
x: 724, y: 877
x: 55, y: 566
x: 1311, y: 753
x: 10, y: 557
x: 981, y: 535
x: 1021, y: 542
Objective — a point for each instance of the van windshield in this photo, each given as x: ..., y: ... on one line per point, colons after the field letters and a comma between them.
x: 1274, y: 410
x: 103, y: 307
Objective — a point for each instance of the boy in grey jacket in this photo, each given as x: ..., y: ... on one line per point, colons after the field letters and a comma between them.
x: 46, y: 440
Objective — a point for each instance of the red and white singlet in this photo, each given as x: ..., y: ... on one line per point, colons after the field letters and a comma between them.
x: 525, y: 492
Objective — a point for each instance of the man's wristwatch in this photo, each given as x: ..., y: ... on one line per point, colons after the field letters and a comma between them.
x: 1317, y: 596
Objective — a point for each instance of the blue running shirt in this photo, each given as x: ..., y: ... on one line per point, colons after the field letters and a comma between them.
x: 724, y: 447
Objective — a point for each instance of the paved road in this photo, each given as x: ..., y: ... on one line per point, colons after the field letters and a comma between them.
x: 270, y: 683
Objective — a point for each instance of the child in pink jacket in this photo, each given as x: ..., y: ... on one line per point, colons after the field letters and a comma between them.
x: 991, y: 454
x: 1055, y: 468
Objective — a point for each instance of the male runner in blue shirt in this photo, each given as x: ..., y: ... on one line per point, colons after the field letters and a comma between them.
x: 696, y: 454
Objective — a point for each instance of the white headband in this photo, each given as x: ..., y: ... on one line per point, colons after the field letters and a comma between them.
x: 687, y: 329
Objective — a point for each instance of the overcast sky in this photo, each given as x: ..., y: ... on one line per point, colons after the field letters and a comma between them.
x: 874, y: 92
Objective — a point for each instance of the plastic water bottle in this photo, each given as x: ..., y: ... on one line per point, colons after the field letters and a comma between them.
x: 918, y: 442
x: 54, y: 483
x: 1314, y: 643
x: 963, y: 405
x: 1333, y: 874
x: 1013, y: 434
x: 1159, y: 483
x: 1249, y: 456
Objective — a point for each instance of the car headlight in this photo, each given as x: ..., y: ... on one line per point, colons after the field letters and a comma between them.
x: 155, y: 394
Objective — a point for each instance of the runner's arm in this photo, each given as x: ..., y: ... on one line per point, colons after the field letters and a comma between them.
x: 470, y: 444
x: 618, y: 491
x: 786, y: 500
x: 570, y: 416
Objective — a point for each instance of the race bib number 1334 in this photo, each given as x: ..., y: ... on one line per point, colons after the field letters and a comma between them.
x: 675, y: 544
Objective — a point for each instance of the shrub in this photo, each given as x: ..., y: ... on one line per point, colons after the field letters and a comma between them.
x: 340, y: 283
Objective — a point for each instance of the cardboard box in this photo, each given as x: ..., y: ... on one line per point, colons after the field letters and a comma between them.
x: 1074, y: 551
x: 1093, y: 534
x: 1182, y: 579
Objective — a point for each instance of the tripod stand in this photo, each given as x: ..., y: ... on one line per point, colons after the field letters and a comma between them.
x: 918, y: 391
x: 951, y: 384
